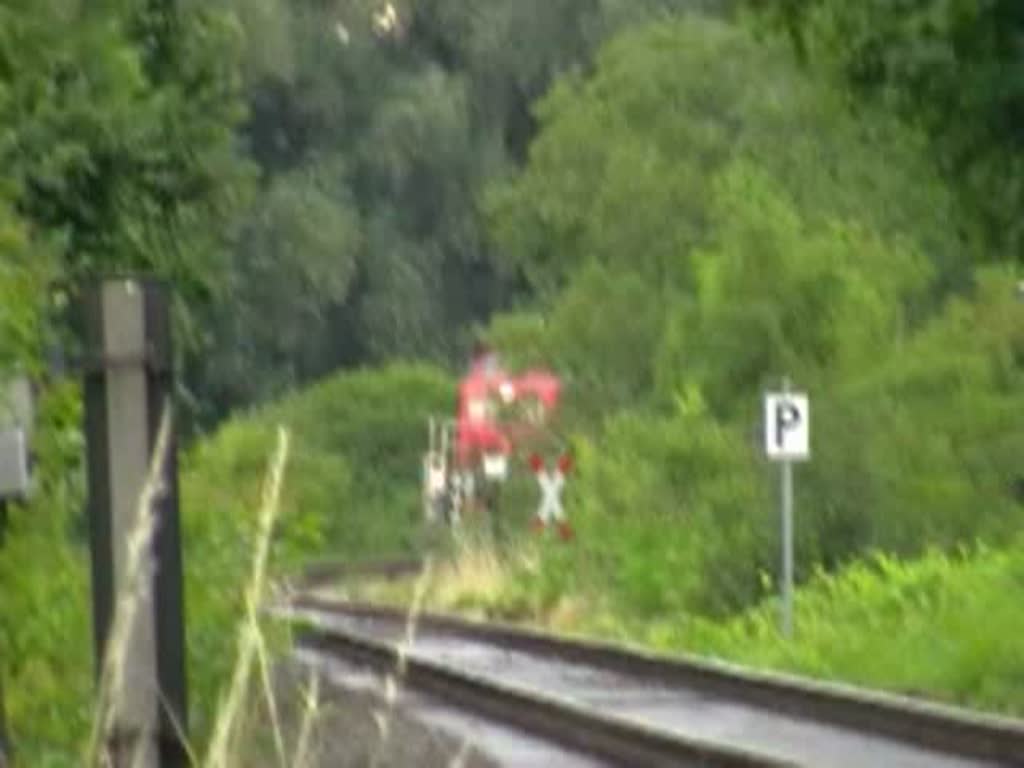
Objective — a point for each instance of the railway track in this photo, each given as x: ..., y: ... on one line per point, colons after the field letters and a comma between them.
x: 627, y: 707
x: 319, y: 573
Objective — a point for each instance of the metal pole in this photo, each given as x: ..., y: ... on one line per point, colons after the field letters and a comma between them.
x: 787, y: 539
x: 787, y: 548
x: 128, y: 383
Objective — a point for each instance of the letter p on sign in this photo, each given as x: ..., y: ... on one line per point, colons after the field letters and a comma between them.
x: 787, y: 426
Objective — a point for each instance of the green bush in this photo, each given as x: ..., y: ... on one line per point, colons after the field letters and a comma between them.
x: 670, y: 514
x: 351, y: 488
x: 943, y: 626
x: 45, y: 642
x: 46, y: 655
x: 221, y: 495
x: 376, y: 420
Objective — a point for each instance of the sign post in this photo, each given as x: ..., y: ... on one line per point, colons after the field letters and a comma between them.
x: 136, y: 546
x: 787, y: 439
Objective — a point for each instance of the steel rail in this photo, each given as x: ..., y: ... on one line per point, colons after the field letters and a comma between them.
x: 925, y: 725
x: 610, y: 738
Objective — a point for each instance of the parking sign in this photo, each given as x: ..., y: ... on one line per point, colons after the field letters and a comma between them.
x: 787, y: 426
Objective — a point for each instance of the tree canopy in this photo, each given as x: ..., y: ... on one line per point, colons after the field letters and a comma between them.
x: 702, y: 216
x: 952, y: 67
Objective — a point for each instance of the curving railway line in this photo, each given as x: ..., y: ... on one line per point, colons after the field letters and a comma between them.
x: 617, y: 706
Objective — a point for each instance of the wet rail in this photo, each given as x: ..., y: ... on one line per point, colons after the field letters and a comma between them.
x: 580, y: 729
x: 619, y: 699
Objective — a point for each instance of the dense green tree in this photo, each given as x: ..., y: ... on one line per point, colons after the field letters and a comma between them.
x: 777, y: 292
x: 295, y: 259
x: 700, y: 217
x: 626, y: 174
x: 119, y: 125
x: 422, y: 105
x: 118, y: 148
x: 951, y: 66
x: 24, y: 271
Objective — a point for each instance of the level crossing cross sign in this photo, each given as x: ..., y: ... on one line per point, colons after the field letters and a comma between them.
x: 552, y: 483
x: 787, y: 426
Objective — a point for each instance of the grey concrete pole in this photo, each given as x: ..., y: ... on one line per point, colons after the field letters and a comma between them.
x: 128, y: 383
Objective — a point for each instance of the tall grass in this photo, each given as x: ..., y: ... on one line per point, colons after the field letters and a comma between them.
x: 310, y: 713
x: 251, y: 647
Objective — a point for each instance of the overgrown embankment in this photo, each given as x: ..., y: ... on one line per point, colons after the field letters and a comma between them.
x: 350, y: 488
x: 942, y: 627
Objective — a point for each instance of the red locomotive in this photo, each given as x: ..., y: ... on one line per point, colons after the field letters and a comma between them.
x: 498, y: 412
x: 499, y: 417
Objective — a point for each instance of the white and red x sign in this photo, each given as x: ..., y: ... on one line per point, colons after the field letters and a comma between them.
x: 552, y: 483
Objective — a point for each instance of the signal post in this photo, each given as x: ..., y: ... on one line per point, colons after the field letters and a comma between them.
x: 135, y: 547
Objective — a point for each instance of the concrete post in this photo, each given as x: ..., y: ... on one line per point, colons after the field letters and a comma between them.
x: 128, y: 384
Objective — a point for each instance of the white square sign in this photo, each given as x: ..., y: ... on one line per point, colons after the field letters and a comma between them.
x: 787, y: 426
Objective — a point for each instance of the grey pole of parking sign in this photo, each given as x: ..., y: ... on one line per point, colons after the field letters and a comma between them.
x: 787, y: 430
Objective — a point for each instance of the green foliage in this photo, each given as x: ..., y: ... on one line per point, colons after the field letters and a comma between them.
x: 701, y: 218
x: 938, y: 461
x: 351, y: 489
x: 46, y: 655
x: 670, y: 514
x: 778, y: 290
x: 622, y: 169
x: 376, y: 419
x: 421, y: 116
x: 117, y: 153
x: 522, y: 338
x: 24, y: 270
x: 951, y: 66
x: 118, y: 149
x: 296, y: 261
x: 119, y: 133
x: 617, y: 338
x: 221, y: 500
x: 944, y: 626
x: 677, y: 201
x: 45, y: 642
